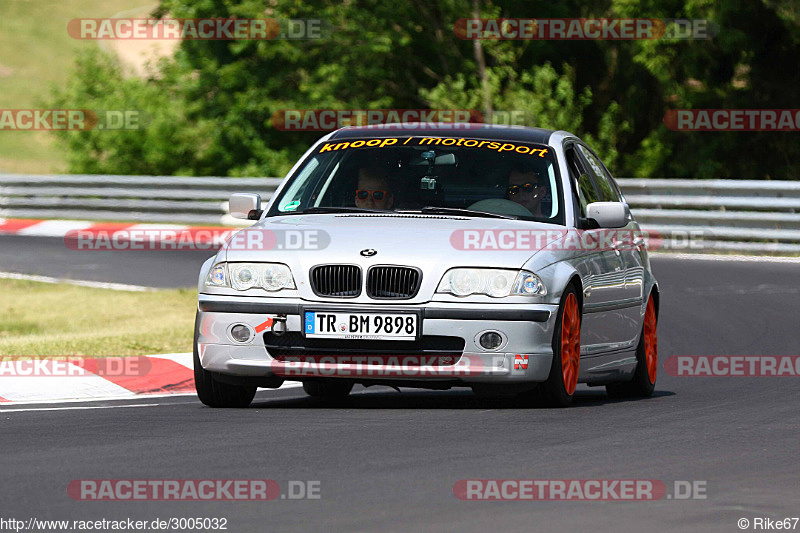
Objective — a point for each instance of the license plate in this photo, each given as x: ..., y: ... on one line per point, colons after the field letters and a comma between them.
x: 364, y: 326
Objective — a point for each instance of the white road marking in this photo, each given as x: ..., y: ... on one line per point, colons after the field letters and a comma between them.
x: 85, y: 407
x: 106, y: 399
x: 79, y: 283
x: 126, y: 397
x: 12, y: 409
x: 286, y: 385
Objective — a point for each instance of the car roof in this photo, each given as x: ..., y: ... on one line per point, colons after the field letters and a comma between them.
x: 457, y: 130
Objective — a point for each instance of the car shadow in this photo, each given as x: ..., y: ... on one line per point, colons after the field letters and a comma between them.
x: 385, y: 398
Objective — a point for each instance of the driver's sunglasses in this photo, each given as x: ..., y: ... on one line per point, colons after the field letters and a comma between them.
x: 363, y: 194
x: 514, y: 190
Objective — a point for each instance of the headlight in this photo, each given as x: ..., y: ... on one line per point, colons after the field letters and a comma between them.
x: 529, y: 283
x: 491, y: 282
x: 242, y: 276
x: 217, y: 276
x: 463, y: 282
x: 276, y: 277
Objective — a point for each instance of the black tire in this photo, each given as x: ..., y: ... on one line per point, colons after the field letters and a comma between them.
x: 552, y: 392
x: 640, y: 386
x: 214, y: 393
x: 334, y: 388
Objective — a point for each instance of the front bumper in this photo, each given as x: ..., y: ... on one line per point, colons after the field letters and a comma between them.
x: 524, y: 356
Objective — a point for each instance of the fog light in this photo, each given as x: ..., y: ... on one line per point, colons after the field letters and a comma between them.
x: 241, y: 333
x: 491, y: 340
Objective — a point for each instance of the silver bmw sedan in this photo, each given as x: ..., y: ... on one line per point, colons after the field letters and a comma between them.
x: 503, y: 259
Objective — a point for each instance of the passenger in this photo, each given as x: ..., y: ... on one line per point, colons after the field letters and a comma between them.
x: 373, y: 189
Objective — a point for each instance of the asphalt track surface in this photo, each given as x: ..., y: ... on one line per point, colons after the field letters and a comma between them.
x: 388, y: 461
x: 49, y: 256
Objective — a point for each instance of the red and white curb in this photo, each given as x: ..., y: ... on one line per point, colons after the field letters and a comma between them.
x: 167, y: 375
x: 116, y: 232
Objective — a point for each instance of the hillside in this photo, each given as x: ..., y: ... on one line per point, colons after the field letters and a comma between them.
x: 35, y: 52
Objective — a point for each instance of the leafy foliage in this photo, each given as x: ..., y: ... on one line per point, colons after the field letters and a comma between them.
x: 210, y: 107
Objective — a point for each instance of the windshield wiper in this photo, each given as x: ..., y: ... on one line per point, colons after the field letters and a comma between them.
x: 331, y: 209
x: 459, y: 211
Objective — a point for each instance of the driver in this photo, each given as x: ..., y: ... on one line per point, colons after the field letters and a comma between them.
x: 528, y: 188
x: 373, y: 189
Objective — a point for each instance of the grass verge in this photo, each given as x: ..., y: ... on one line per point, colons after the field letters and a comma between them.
x: 59, y: 319
x: 37, y: 53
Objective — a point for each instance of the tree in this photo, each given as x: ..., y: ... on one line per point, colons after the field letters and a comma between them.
x: 210, y: 107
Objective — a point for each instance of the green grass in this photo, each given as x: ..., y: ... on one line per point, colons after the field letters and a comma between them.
x: 35, y: 52
x: 60, y: 319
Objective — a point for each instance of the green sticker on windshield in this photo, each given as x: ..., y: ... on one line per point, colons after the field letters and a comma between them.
x: 291, y: 206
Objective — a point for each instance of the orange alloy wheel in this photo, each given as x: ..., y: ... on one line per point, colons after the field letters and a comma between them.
x: 571, y: 343
x: 651, y: 341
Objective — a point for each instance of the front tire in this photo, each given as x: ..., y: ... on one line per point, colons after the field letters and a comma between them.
x: 560, y: 386
x: 214, y: 393
x: 644, y: 377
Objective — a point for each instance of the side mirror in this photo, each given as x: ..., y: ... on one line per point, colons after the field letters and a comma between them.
x: 607, y: 214
x: 245, y: 206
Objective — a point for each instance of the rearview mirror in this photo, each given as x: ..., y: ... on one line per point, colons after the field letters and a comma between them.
x: 246, y: 206
x: 430, y: 157
x: 607, y: 214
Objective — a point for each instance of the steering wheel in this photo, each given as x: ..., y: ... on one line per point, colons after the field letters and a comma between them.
x: 501, y: 206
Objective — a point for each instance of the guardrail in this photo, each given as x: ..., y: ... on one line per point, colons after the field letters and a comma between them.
x: 185, y: 200
x: 691, y: 215
x: 719, y: 215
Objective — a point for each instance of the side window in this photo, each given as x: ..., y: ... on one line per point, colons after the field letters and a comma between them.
x: 608, y: 193
x: 586, y: 192
x: 293, y: 197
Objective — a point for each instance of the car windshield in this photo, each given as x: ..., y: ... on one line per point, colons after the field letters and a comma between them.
x: 426, y: 174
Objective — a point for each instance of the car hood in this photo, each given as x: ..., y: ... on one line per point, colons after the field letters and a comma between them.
x: 432, y: 243
x: 397, y: 239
